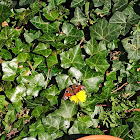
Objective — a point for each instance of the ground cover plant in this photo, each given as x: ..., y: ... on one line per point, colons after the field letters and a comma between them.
x: 46, y: 46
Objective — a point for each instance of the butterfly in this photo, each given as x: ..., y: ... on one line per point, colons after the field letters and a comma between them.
x: 72, y: 90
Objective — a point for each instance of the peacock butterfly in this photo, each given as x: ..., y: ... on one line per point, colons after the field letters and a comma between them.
x: 72, y: 90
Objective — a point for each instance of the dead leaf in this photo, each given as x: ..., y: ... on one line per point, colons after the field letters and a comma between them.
x: 4, y: 24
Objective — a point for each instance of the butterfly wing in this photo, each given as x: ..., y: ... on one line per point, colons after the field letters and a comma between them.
x: 76, y: 88
x: 68, y: 93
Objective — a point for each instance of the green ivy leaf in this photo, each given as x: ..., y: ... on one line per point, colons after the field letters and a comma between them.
x: 92, y: 47
x: 120, y: 131
x: 119, y: 5
x: 37, y: 111
x: 113, y: 44
x: 36, y: 128
x: 44, y: 26
x: 29, y: 37
x: 79, y: 17
x: 34, y: 83
x: 51, y: 94
x: 15, y: 95
x: 52, y: 60
x: 53, y: 71
x: 98, y: 62
x: 91, y: 79
x: 22, y: 57
x: 72, y: 34
x: 98, y: 3
x: 48, y: 38
x: 102, y: 30
x: 5, y: 54
x: 18, y: 46
x: 133, y: 85
x: 7, y: 35
x: 43, y: 49
x: 53, y: 15
x: 80, y: 128
x: 4, y: 13
x: 54, y: 125
x: 9, y: 69
x: 67, y: 109
x: 72, y: 57
x: 131, y: 45
x: 25, y: 2
x: 136, y: 125
x: 126, y: 19
x: 77, y: 3
x: 63, y: 81
x: 105, y: 10
x: 75, y: 73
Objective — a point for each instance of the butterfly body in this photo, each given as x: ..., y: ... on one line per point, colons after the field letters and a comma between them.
x: 72, y: 90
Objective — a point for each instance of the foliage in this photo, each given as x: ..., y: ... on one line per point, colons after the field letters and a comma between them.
x: 46, y: 46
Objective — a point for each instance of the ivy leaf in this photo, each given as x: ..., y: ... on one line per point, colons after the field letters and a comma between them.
x: 37, y: 111
x: 136, y: 125
x: 126, y: 19
x: 75, y: 73
x: 77, y: 3
x: 91, y: 79
x: 105, y: 10
x: 113, y: 44
x: 102, y: 30
x: 36, y: 128
x: 18, y: 46
x: 133, y: 85
x: 51, y: 94
x: 92, y: 47
x: 72, y: 57
x: 80, y: 128
x: 29, y: 37
x: 43, y: 49
x: 7, y: 35
x: 98, y: 3
x: 131, y: 45
x: 53, y: 71
x: 52, y: 60
x: 63, y: 81
x: 48, y: 38
x: 22, y: 57
x: 4, y: 13
x: 120, y: 131
x: 44, y: 26
x: 34, y: 83
x: 79, y: 17
x: 25, y: 2
x: 9, y: 69
x: 67, y: 109
x: 5, y: 54
x: 72, y: 34
x: 119, y: 5
x: 54, y: 125
x: 15, y: 95
x: 53, y: 15
x: 98, y: 62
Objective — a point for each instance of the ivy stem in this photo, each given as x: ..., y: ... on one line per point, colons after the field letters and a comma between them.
x: 47, y: 77
x: 119, y: 87
x: 30, y: 65
x: 40, y: 3
x: 82, y: 40
x: 58, y: 27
